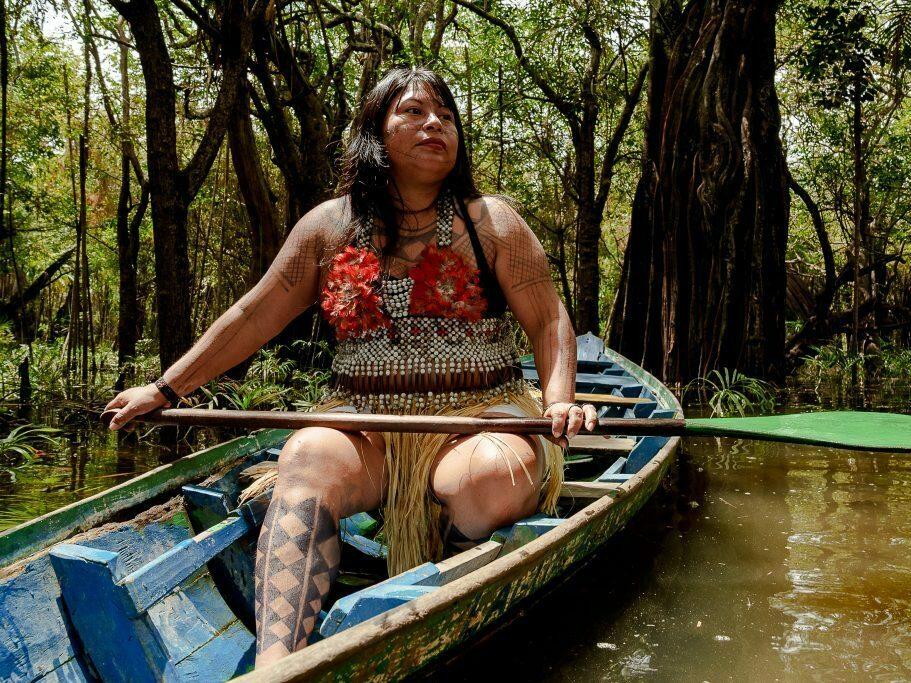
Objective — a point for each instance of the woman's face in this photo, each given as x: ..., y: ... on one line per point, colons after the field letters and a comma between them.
x: 420, y: 136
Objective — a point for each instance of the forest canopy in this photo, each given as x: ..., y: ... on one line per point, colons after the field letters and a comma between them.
x: 717, y: 184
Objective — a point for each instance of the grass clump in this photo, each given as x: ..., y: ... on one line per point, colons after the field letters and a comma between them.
x: 22, y: 444
x: 730, y: 392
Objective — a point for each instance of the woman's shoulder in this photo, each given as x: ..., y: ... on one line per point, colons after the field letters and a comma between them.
x: 338, y: 208
x: 326, y: 221
x: 494, y: 213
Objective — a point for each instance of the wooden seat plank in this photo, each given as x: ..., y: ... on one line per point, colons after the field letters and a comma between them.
x: 464, y: 563
x: 595, y: 444
x: 587, y: 490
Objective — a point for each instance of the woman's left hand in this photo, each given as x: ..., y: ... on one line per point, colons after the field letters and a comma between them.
x: 568, y: 418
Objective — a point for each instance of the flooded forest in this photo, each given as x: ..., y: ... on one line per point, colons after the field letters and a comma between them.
x: 723, y: 191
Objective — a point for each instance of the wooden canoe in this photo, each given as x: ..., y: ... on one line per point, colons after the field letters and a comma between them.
x: 152, y: 579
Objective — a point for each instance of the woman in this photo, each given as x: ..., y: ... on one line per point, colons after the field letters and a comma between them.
x: 415, y: 271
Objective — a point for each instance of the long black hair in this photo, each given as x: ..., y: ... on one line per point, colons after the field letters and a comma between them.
x: 364, y: 167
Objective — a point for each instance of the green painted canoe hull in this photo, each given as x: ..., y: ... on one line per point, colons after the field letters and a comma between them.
x: 29, y: 537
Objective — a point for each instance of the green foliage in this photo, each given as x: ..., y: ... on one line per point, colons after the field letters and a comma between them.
x: 832, y: 361
x: 841, y: 50
x: 270, y: 367
x: 251, y: 394
x: 51, y: 380
x: 730, y: 392
x: 22, y: 443
x: 832, y: 358
x: 273, y: 382
x: 896, y: 362
x: 310, y: 388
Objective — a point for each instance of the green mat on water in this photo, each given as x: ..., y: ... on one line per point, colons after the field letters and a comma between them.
x: 846, y: 429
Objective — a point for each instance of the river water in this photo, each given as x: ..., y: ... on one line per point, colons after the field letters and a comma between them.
x: 89, y: 460
x: 755, y: 561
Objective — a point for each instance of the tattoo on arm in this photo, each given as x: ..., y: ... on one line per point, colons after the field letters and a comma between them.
x: 503, y: 233
x: 526, y: 267
x: 309, y: 242
x: 297, y: 560
x: 524, y: 273
x: 297, y: 258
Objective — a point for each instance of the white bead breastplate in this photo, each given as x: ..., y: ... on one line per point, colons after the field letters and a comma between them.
x: 424, y: 362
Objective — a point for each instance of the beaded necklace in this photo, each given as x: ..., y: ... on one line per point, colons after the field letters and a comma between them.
x: 396, y: 292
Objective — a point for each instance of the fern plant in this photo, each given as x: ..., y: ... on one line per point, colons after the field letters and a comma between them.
x: 269, y: 367
x: 730, y: 392
x: 247, y: 395
x: 832, y: 358
x: 310, y: 388
x: 22, y: 443
x: 896, y: 362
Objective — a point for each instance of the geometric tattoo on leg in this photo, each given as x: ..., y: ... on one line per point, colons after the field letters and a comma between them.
x: 297, y: 560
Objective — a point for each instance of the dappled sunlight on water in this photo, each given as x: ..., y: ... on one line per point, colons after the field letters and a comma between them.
x: 757, y: 561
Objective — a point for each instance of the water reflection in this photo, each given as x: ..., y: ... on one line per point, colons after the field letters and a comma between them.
x: 759, y: 561
x: 848, y: 565
x: 90, y: 459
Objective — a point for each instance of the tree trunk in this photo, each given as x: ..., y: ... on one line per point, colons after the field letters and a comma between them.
x: 127, y: 233
x: 703, y: 281
x: 265, y: 232
x: 127, y: 257
x: 172, y: 189
x: 169, y: 205
x: 588, y: 273
x: 301, y: 157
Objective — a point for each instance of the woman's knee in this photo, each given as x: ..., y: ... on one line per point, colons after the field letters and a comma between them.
x: 328, y: 463
x: 489, y: 484
x: 314, y: 458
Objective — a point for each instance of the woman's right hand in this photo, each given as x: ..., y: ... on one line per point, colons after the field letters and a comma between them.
x: 135, y: 401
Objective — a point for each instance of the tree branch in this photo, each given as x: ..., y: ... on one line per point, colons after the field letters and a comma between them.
x: 10, y: 308
x: 564, y: 106
x: 822, y: 235
x: 237, y: 38
x: 613, y: 147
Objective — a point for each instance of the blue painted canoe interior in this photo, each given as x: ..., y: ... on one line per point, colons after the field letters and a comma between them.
x: 170, y: 593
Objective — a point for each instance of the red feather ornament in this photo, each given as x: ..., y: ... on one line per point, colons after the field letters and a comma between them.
x: 351, y: 302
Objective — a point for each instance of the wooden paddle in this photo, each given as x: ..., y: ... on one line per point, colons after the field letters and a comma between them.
x: 861, y: 431
x: 357, y: 422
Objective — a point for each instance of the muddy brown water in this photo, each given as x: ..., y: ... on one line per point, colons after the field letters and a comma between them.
x: 755, y: 561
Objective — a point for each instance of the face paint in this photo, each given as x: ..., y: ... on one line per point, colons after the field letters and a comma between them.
x: 414, y: 118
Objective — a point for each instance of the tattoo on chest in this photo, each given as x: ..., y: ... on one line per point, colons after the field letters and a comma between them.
x: 412, y: 243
